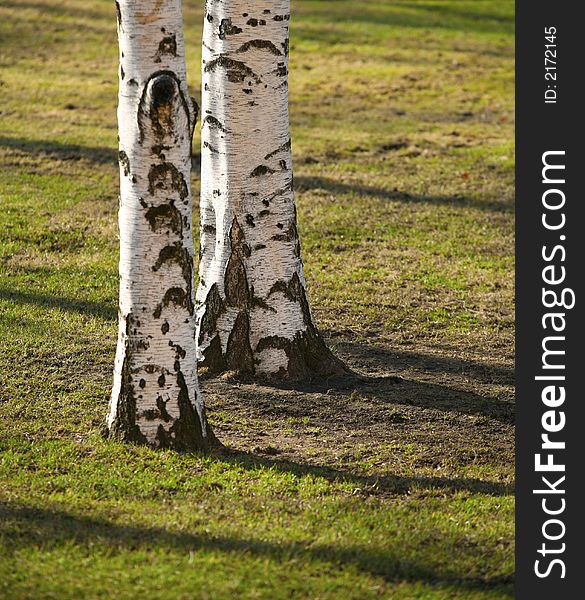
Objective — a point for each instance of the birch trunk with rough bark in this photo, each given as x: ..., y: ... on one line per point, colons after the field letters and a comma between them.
x: 252, y: 310
x: 155, y: 397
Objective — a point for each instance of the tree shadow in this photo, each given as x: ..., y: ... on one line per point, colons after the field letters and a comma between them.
x: 45, y: 528
x: 383, y: 485
x: 63, y: 10
x: 98, y: 155
x: 340, y: 399
x: 67, y: 152
x: 390, y: 359
x: 309, y: 183
x: 409, y: 15
x: 384, y: 389
x: 84, y: 307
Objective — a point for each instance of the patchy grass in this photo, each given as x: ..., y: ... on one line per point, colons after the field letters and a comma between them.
x: 399, y: 486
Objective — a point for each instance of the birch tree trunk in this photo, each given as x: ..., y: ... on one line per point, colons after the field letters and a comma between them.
x: 252, y: 310
x: 155, y: 397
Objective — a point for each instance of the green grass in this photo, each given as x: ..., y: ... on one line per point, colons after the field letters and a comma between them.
x: 402, y: 124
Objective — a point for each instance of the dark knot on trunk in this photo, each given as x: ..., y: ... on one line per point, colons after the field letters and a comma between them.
x: 162, y: 91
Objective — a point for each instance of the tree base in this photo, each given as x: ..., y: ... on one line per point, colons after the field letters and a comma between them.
x: 186, y: 434
x: 309, y: 359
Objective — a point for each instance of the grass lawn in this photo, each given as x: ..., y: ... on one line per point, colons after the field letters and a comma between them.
x: 400, y: 486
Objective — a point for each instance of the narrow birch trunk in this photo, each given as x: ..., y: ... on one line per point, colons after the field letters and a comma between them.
x: 252, y: 310
x: 155, y: 397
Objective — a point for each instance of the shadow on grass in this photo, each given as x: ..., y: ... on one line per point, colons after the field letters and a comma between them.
x: 335, y: 394
x: 60, y: 10
x: 303, y: 183
x: 368, y: 485
x: 341, y: 399
x: 420, y: 15
x: 109, y: 156
x: 84, y: 307
x: 67, y: 152
x: 27, y: 526
x: 391, y: 359
x: 98, y: 155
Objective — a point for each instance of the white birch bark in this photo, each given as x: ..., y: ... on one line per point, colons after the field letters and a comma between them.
x: 251, y: 303
x: 155, y: 397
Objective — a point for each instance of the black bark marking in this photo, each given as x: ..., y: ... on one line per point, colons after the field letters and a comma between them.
x: 262, y: 170
x: 238, y: 355
x: 180, y: 352
x: 213, y: 358
x: 124, y: 426
x: 236, y: 282
x: 167, y: 178
x: 282, y: 164
x: 290, y: 235
x: 168, y: 45
x: 285, y: 47
x: 258, y: 302
x: 122, y: 74
x: 274, y: 341
x: 158, y: 149
x: 209, y: 17
x: 214, y: 308
x: 142, y: 345
x: 142, y: 383
x: 187, y: 431
x: 263, y: 213
x: 175, y: 253
x: 165, y: 328
x: 193, y: 122
x: 181, y: 256
x: 165, y: 216
x: 213, y: 122
x: 250, y: 221
x: 236, y: 288
x: 163, y: 439
x: 283, y: 148
x: 289, y: 289
x: 308, y: 355
x: 163, y: 91
x: 160, y: 84
x: 281, y: 71
x: 150, y: 414
x: 259, y: 45
x: 161, y: 404
x: 124, y: 162
x: 226, y: 28
x: 247, y: 91
x: 118, y: 14
x: 236, y: 71
x: 178, y: 297
x: 210, y: 229
x: 210, y: 148
x: 255, y: 22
